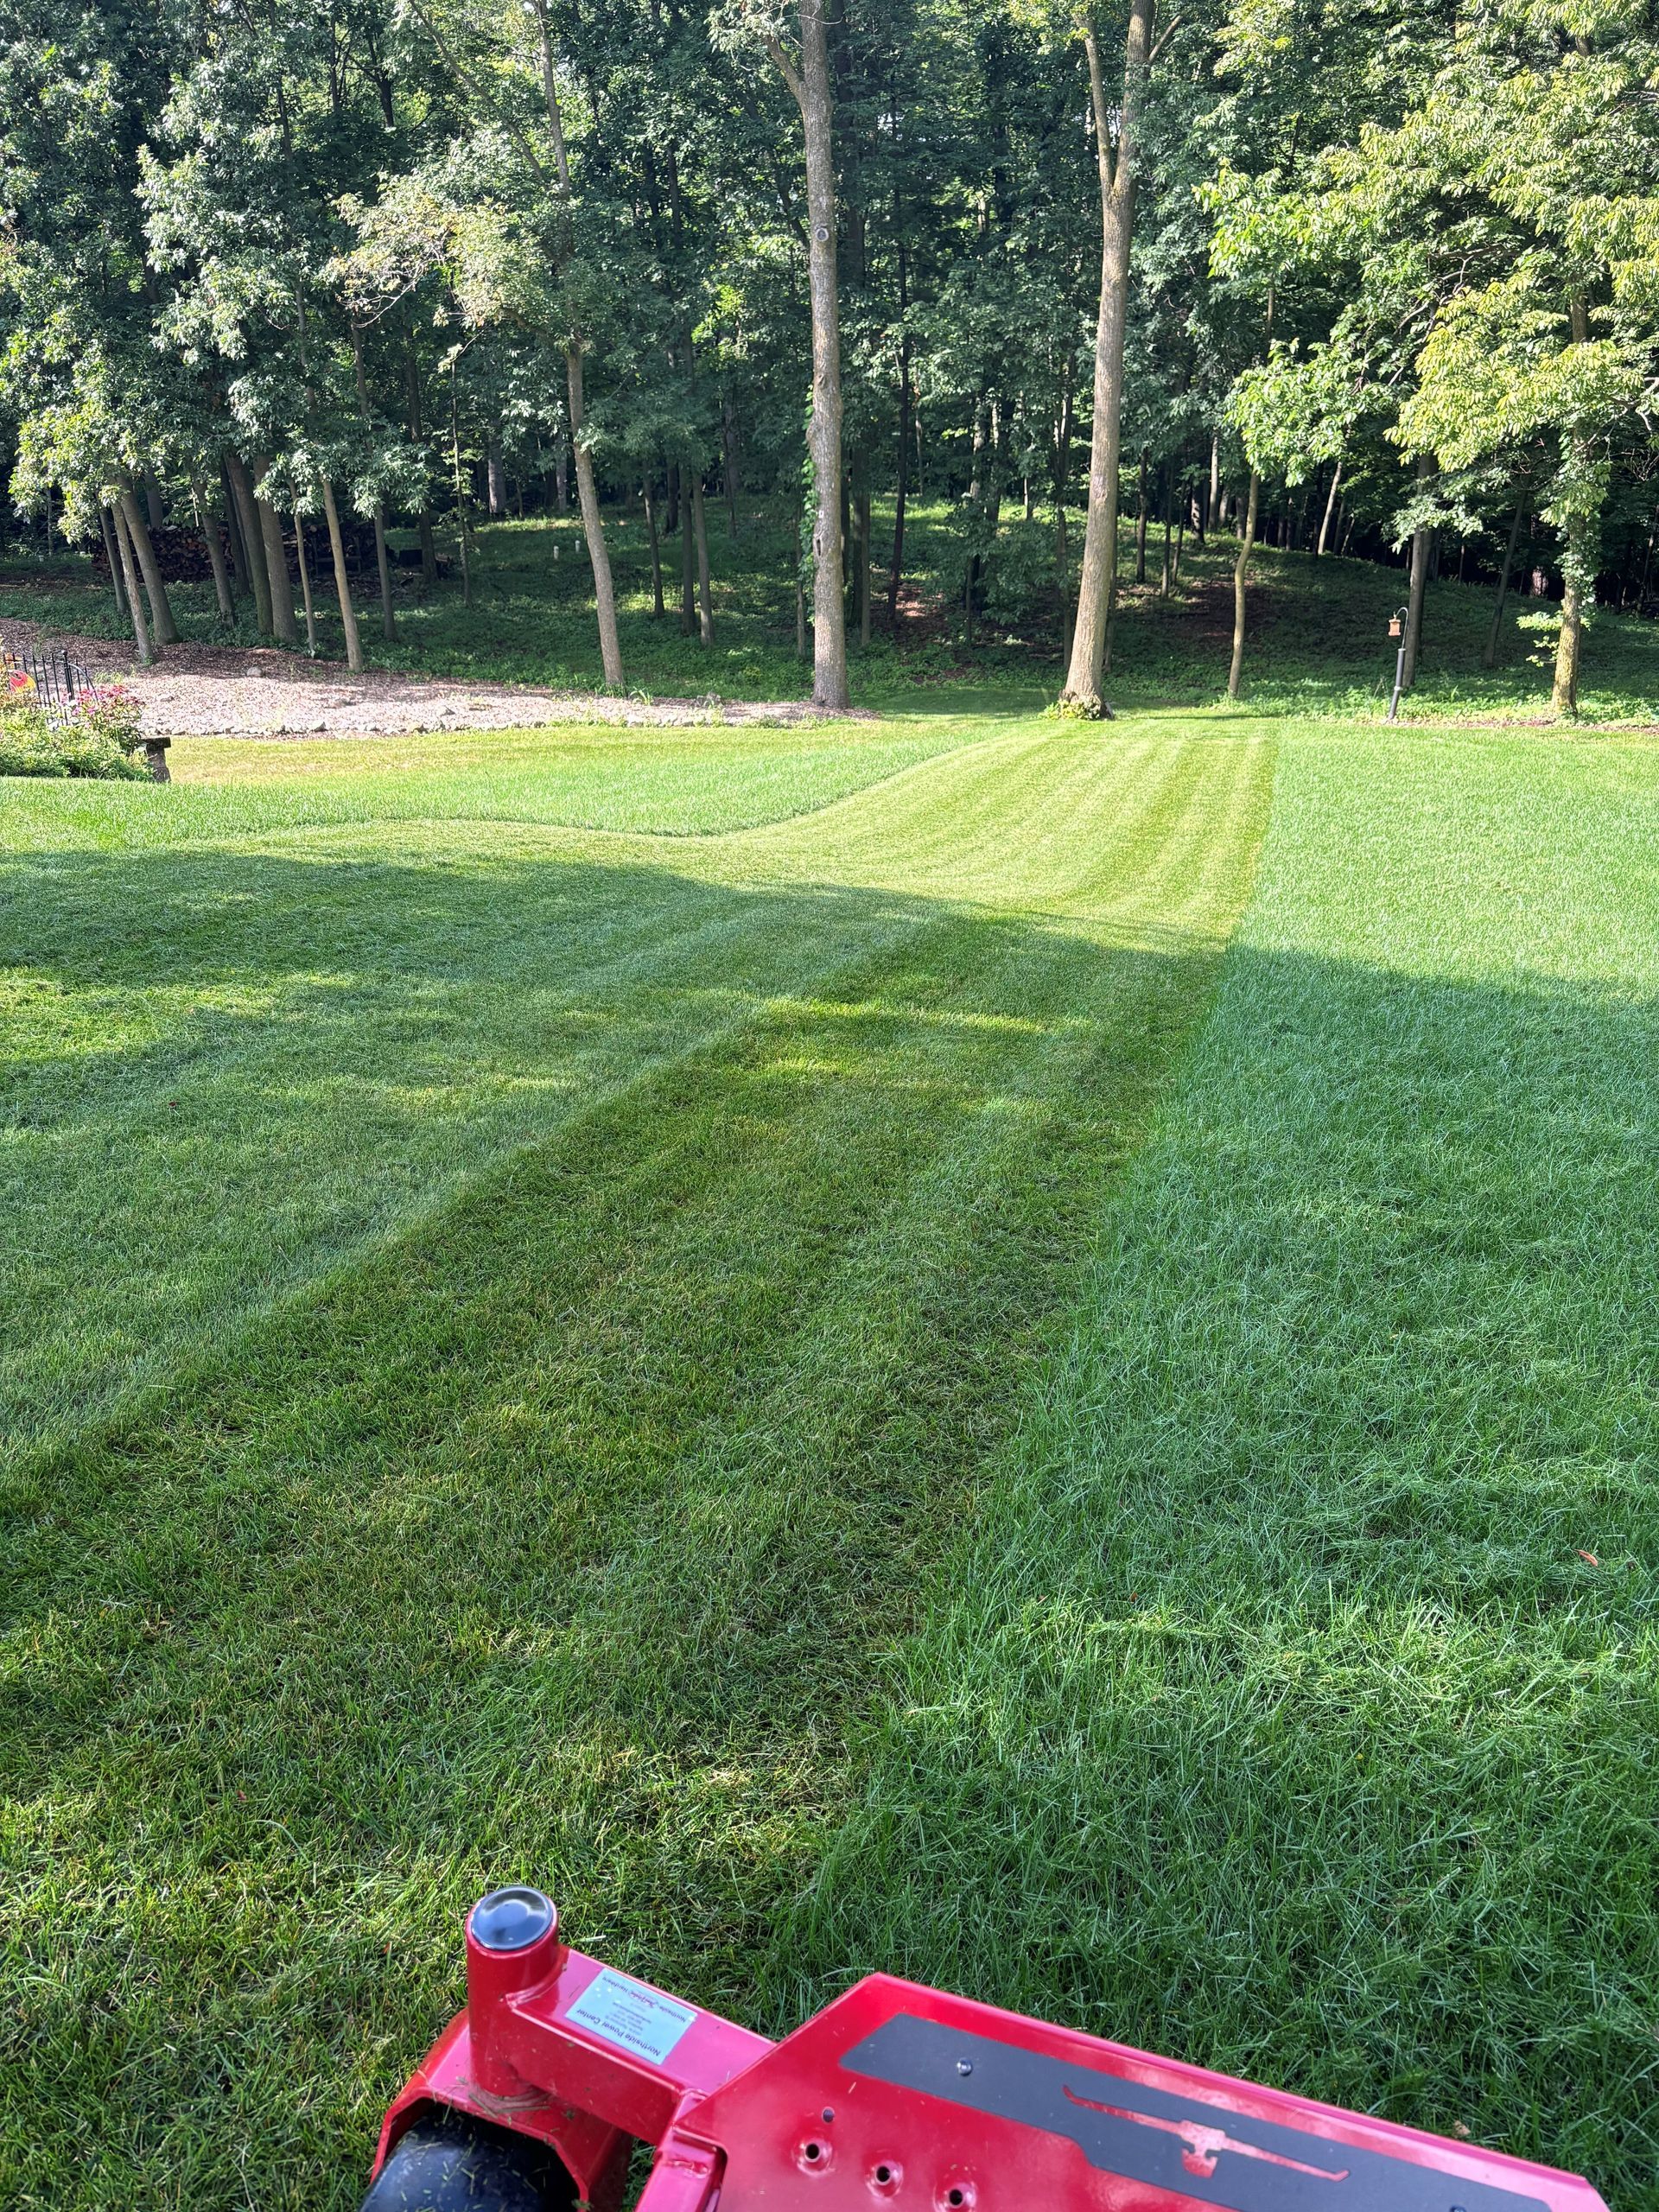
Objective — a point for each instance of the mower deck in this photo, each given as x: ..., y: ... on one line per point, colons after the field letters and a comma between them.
x: 896, y: 2095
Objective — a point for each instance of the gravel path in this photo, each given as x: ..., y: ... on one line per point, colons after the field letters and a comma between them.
x: 241, y: 691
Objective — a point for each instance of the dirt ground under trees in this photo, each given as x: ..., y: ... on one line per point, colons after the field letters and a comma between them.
x: 241, y: 691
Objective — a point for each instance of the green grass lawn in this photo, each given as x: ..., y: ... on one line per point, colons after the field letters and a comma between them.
x: 984, y: 1347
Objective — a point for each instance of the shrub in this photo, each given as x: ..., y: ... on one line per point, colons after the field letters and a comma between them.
x: 111, y: 712
x: 97, y: 743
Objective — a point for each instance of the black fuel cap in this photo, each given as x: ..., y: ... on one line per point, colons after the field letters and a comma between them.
x: 511, y: 1920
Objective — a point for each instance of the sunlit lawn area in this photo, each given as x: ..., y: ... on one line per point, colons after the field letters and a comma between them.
x: 969, y: 1344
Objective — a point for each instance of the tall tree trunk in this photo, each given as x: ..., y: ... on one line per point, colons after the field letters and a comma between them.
x: 1140, y: 523
x: 896, y: 569
x: 728, y: 462
x: 253, y: 540
x: 388, y: 624
x: 1421, y: 542
x: 497, y: 480
x: 811, y: 86
x: 305, y: 585
x: 1241, y: 567
x: 342, y: 581
x: 1099, y: 580
x: 429, y: 542
x: 599, y: 558
x: 241, y: 576
x: 1211, y: 514
x: 458, y: 485
x: 1415, y: 594
x: 383, y: 564
x: 1489, y: 651
x: 610, y: 643
x: 208, y: 525
x: 865, y: 552
x: 112, y: 555
x: 283, y: 622
x: 688, y: 557
x: 656, y: 607
x: 130, y: 572
x: 1582, y: 538
x: 163, y: 629
x: 700, y: 531
x: 1582, y: 544
x: 1330, y: 509
x: 1169, y: 502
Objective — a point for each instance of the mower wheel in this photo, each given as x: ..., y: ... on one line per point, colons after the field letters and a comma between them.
x: 446, y: 2162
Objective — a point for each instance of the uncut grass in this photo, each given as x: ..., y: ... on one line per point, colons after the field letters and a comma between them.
x: 558, y: 1535
x: 1269, y: 1713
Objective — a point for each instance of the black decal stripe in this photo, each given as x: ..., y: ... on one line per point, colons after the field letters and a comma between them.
x: 1125, y: 2127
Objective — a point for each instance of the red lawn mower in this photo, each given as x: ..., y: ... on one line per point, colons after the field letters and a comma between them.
x: 533, y: 2099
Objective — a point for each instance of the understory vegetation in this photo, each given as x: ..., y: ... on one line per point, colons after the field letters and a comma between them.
x: 1320, y: 639
x: 1011, y: 1350
x: 283, y: 297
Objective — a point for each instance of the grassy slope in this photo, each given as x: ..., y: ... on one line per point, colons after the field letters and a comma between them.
x: 1269, y: 1711
x: 544, y: 1213
x: 671, y: 782
x: 1317, y: 639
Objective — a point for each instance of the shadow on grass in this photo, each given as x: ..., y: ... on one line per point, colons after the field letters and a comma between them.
x: 671, y: 1517
x: 561, y: 1531
x: 227, y: 1068
x: 1291, y: 1703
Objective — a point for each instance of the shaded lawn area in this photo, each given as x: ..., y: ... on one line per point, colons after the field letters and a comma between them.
x: 1270, y: 1711
x: 813, y: 1481
x: 595, y: 1273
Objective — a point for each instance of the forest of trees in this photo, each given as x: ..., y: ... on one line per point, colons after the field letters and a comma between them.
x: 1374, y: 276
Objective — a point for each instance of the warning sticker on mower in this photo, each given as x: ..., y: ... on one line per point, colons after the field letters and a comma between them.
x: 631, y: 2016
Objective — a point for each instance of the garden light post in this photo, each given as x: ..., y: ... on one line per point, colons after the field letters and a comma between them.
x: 1397, y: 629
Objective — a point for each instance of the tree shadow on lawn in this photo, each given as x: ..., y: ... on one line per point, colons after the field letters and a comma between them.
x: 225, y: 1069
x: 562, y: 1531
x: 1290, y: 1703
x: 608, y: 1527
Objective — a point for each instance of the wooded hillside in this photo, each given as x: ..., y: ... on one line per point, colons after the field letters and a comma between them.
x: 1350, y: 278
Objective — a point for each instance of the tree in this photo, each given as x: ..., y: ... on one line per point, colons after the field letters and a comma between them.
x: 807, y: 75
x: 1116, y: 153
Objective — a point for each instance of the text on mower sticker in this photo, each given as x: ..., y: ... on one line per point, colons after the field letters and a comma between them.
x: 631, y: 2016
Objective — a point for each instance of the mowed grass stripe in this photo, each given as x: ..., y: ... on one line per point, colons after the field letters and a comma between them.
x: 1033, y: 823
x: 278, y: 1060
x: 1291, y: 1704
x: 281, y: 1054
x: 672, y: 782
x: 560, y: 1536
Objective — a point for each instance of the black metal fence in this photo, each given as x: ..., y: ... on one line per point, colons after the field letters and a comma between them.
x: 58, y: 681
